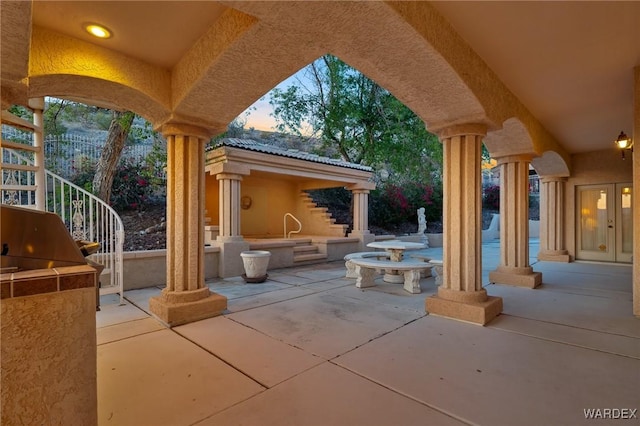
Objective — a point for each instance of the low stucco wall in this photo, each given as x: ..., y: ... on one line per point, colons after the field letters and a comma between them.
x: 148, y: 268
x: 336, y: 248
x: 281, y: 252
x: 493, y: 233
x: 49, y: 358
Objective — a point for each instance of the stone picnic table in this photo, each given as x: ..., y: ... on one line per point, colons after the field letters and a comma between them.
x: 397, y: 269
x: 395, y: 249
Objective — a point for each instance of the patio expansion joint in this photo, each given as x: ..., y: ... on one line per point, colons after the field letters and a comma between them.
x: 136, y: 305
x: 324, y: 359
x: 132, y: 336
x: 405, y: 309
x: 576, y: 291
x: 228, y: 312
x: 307, y: 284
x: 377, y: 337
x: 563, y: 290
x: 405, y: 395
x: 533, y: 336
x: 220, y: 359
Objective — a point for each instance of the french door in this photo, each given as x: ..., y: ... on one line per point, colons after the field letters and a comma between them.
x: 605, y: 220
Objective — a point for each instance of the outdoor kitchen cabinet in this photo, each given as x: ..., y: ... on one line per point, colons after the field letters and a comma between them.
x: 47, y: 324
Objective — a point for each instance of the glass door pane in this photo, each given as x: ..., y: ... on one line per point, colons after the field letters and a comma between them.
x: 624, y: 237
x: 595, y: 233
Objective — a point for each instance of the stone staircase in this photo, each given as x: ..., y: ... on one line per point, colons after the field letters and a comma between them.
x: 319, y: 221
x: 305, y: 252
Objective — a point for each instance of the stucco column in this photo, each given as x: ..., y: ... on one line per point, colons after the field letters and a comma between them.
x: 360, y: 210
x: 37, y: 105
x: 552, y: 245
x: 514, y: 268
x: 229, y: 239
x: 360, y: 194
x: 186, y: 298
x: 461, y: 295
x: 229, y: 200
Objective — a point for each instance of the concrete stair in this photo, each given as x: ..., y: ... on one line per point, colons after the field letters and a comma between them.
x: 322, y: 214
x: 305, y: 252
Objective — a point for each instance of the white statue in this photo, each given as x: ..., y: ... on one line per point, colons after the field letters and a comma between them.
x: 422, y: 221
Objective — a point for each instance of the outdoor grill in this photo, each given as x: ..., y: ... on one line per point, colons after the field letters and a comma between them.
x: 33, y: 241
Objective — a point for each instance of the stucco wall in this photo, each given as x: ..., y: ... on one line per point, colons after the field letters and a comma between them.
x: 141, y: 269
x: 271, y: 198
x: 49, y: 359
x: 592, y: 168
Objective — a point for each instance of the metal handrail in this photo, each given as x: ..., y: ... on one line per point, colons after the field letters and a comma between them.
x: 285, y: 225
x: 89, y: 218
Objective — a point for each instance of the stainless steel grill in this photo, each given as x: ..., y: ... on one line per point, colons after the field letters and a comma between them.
x: 34, y: 240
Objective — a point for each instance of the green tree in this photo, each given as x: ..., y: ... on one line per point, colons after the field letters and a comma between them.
x: 108, y: 162
x: 358, y: 120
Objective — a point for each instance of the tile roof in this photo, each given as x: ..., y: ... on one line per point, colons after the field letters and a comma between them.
x: 252, y: 145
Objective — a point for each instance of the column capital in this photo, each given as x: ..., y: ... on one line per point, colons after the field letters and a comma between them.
x: 227, y: 169
x: 173, y: 129
x: 361, y: 186
x: 360, y: 189
x: 228, y: 176
x: 36, y: 103
x: 519, y: 158
x: 477, y: 129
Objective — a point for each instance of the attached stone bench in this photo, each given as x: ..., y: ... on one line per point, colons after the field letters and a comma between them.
x: 351, y: 268
x: 421, y: 257
x: 365, y: 271
x: 436, y: 267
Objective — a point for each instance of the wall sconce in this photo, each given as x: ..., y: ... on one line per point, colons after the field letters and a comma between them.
x: 624, y: 143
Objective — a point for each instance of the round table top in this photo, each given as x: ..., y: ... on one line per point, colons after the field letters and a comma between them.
x: 396, y: 245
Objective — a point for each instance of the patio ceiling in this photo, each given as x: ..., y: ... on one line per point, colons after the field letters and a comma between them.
x: 570, y: 63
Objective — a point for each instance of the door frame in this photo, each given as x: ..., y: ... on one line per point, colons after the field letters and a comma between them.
x: 614, y: 238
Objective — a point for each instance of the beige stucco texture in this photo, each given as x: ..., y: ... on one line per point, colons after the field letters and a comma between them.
x: 49, y: 358
x: 252, y: 46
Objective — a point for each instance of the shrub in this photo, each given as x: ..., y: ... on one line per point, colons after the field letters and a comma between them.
x: 131, y: 186
x: 394, y: 204
x: 130, y: 189
x: 491, y: 197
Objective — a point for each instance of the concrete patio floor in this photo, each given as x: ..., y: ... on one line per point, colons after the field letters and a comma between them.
x: 309, y: 348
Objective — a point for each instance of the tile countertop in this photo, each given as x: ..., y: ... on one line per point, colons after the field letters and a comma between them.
x: 40, y: 281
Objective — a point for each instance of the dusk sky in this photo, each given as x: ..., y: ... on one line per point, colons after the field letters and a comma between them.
x: 260, y: 118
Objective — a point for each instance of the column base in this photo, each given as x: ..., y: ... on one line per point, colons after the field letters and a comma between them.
x: 528, y: 280
x: 181, y: 307
x: 554, y: 256
x: 475, y: 312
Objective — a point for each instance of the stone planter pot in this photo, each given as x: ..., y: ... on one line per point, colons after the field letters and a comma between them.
x: 255, y: 265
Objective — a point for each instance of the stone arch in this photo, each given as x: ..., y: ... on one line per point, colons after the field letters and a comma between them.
x: 550, y: 164
x: 406, y: 47
x: 60, y: 65
x: 515, y: 138
x: 512, y: 139
x: 417, y: 74
x: 99, y: 92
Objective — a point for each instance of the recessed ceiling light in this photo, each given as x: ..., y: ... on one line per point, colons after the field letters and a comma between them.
x: 96, y: 30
